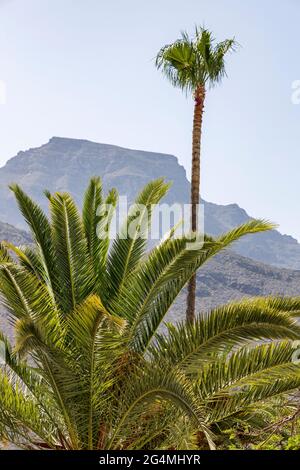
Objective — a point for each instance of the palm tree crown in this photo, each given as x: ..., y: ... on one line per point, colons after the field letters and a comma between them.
x: 190, y: 63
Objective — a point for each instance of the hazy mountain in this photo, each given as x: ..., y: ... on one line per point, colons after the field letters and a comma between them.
x: 67, y: 164
x: 12, y: 234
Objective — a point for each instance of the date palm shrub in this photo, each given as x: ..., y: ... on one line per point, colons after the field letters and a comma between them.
x: 193, y: 64
x: 89, y: 368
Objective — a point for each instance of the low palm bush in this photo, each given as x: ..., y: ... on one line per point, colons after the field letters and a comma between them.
x: 89, y: 366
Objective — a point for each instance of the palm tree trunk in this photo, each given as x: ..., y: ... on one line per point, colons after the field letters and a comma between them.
x: 195, y: 189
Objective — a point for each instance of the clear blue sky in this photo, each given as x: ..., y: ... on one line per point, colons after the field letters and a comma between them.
x: 84, y: 69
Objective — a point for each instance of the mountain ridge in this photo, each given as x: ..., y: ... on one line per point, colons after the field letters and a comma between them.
x: 65, y: 164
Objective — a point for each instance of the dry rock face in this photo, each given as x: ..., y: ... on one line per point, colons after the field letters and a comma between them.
x: 229, y: 276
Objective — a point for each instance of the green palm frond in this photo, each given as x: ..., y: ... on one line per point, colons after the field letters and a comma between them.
x: 156, y: 384
x: 41, y: 232
x: 181, y: 435
x: 4, y: 254
x: 97, y: 215
x: 73, y: 262
x: 105, y: 214
x: 151, y: 292
x: 245, y: 368
x: 91, y: 203
x: 283, y: 380
x: 30, y: 259
x: 219, y: 331
x: 129, y: 247
x: 96, y: 338
x: 190, y: 63
x: 24, y: 296
x: 22, y: 421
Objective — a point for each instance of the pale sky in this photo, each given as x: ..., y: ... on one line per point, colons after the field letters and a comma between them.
x: 85, y: 69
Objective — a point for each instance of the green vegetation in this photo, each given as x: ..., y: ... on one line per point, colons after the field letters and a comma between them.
x: 192, y: 64
x: 90, y: 366
x: 282, y: 433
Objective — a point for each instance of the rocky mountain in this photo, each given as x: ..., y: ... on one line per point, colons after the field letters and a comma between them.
x: 229, y: 277
x: 67, y: 164
x: 269, y: 247
x: 12, y: 234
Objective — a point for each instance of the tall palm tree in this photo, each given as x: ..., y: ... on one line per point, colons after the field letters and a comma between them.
x: 193, y: 64
x: 90, y: 370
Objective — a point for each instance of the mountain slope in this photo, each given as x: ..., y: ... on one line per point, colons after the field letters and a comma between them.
x: 229, y: 276
x: 67, y: 164
x: 12, y: 234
